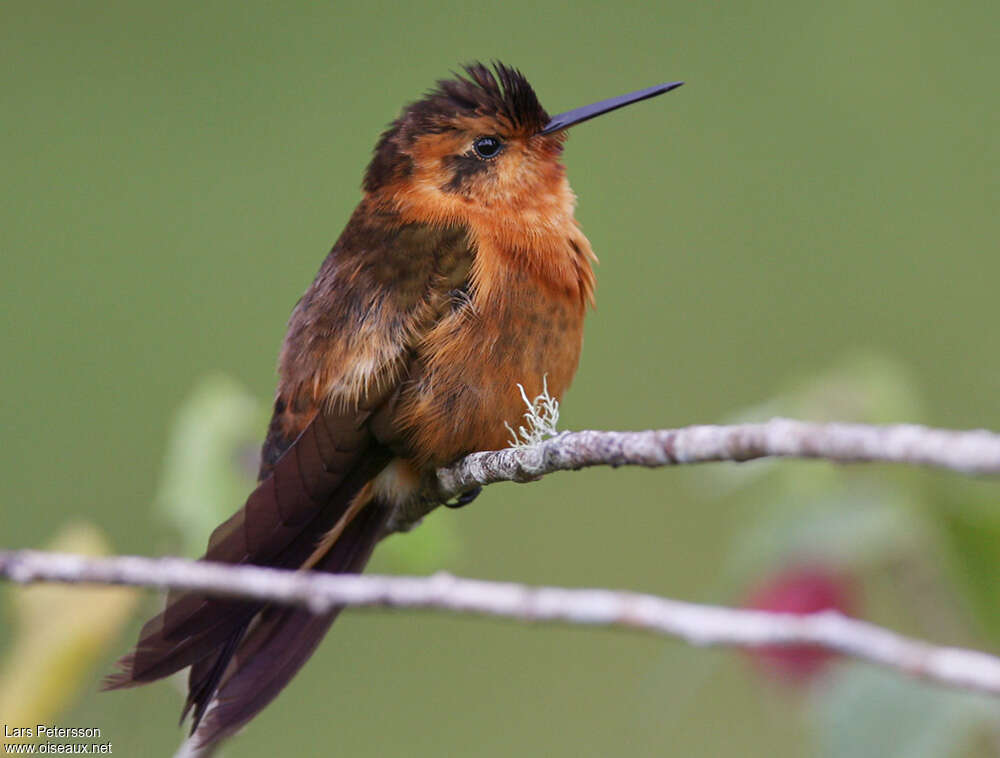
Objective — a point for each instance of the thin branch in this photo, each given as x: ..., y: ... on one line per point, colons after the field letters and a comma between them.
x: 971, y: 452
x: 696, y: 624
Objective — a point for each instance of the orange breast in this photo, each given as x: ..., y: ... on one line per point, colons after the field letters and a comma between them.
x: 521, y: 322
x: 463, y: 380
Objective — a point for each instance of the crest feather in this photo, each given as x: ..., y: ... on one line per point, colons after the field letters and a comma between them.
x: 501, y: 92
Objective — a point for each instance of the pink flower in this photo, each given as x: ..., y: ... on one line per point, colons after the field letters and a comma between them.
x: 801, y: 590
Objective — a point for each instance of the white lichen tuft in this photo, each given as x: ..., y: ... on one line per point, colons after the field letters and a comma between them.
x: 540, y: 419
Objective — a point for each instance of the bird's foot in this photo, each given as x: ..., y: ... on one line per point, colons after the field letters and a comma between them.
x: 465, y: 498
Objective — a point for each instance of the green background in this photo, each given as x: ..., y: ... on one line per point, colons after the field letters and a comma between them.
x: 173, y: 174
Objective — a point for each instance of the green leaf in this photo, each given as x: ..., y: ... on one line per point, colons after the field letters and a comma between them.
x: 971, y: 531
x: 868, y: 712
x: 211, y: 462
x: 61, y: 634
x: 433, y: 544
x: 854, y: 522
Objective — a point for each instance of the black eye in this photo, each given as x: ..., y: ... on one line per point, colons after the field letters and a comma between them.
x: 487, y: 147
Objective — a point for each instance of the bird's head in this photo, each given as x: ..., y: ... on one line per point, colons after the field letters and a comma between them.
x: 480, y: 144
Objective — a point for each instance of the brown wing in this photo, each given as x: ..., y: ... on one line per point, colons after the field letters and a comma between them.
x: 345, y: 352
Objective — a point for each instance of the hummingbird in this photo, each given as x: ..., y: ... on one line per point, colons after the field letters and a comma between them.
x: 461, y: 274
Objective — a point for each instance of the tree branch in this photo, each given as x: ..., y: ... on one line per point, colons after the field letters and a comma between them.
x: 970, y: 452
x: 696, y: 624
x: 974, y: 452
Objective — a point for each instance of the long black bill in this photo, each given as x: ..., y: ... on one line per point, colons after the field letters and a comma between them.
x: 587, y: 112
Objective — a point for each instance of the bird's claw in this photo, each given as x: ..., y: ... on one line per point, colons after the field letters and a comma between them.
x: 465, y: 498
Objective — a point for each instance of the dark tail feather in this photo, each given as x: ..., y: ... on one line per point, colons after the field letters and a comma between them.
x: 307, y: 491
x: 204, y: 678
x: 159, y: 654
x: 279, y: 642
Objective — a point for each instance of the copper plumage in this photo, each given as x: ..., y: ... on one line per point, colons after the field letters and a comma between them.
x: 461, y: 274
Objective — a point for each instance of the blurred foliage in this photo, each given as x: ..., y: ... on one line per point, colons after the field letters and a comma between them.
x: 211, y: 459
x: 861, y: 523
x: 970, y: 528
x: 61, y: 632
x: 211, y: 465
x: 848, y: 515
x: 866, y: 712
